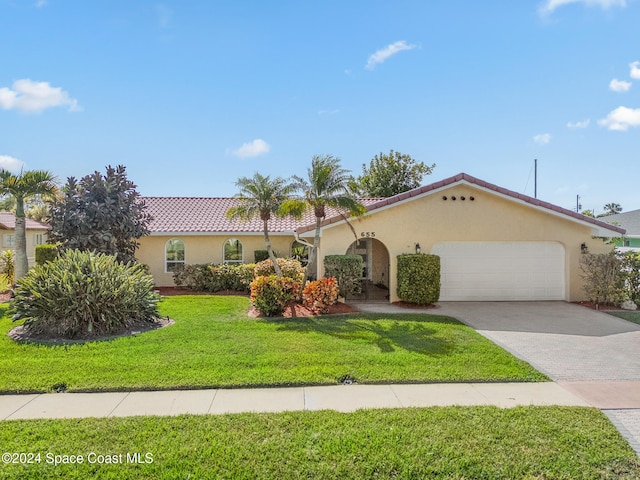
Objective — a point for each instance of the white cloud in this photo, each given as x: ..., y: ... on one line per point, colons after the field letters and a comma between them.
x: 252, y: 149
x: 619, y: 85
x: 542, y: 138
x: 579, y: 124
x: 635, y: 70
x: 29, y: 96
x: 40, y: 3
x: 384, y: 53
x: 549, y: 6
x: 165, y: 15
x: 12, y: 164
x: 621, y: 119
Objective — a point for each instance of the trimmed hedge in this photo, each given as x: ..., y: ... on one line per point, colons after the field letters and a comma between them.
x: 260, y: 255
x: 206, y: 277
x: 46, y: 252
x: 290, y: 267
x: 419, y: 278
x: 347, y: 269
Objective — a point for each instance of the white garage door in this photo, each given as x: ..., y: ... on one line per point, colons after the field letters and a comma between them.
x: 501, y: 270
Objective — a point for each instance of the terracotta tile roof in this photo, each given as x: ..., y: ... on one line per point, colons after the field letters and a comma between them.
x: 463, y: 177
x: 8, y: 222
x: 207, y: 215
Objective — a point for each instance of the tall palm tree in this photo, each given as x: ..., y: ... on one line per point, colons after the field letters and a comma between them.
x: 21, y: 187
x: 612, y: 208
x: 327, y: 185
x: 263, y: 197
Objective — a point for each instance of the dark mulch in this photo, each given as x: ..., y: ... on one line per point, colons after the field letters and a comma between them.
x: 295, y: 310
x: 21, y: 334
x: 5, y: 296
x: 172, y: 291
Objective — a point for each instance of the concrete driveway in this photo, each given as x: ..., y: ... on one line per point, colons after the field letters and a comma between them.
x: 568, y: 342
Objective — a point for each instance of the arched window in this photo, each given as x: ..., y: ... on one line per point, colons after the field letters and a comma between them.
x: 174, y: 256
x: 233, y: 251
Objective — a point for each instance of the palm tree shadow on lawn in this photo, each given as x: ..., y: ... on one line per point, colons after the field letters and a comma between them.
x: 388, y: 336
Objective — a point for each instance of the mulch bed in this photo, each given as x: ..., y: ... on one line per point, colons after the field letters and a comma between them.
x: 295, y: 310
x: 21, y: 334
x: 609, y: 308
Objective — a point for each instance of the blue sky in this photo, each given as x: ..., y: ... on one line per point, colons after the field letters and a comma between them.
x: 191, y: 95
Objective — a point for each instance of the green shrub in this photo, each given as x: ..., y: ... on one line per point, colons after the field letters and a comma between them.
x: 83, y: 294
x: 604, y: 282
x: 260, y: 255
x: 7, y: 265
x: 271, y: 294
x: 228, y: 276
x: 419, y: 278
x: 631, y: 275
x: 290, y: 267
x: 320, y: 294
x: 197, y: 277
x: 46, y: 252
x: 347, y: 269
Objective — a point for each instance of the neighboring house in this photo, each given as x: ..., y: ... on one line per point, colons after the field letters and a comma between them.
x: 494, y: 244
x: 36, y: 234
x: 630, y: 221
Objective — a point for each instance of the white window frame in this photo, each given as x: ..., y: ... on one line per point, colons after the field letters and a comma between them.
x: 174, y: 262
x: 235, y: 239
x: 9, y: 240
x: 38, y: 238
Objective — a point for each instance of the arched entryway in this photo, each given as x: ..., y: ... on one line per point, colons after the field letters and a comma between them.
x: 375, y: 274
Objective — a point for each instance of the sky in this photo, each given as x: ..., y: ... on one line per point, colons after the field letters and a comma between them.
x: 191, y: 95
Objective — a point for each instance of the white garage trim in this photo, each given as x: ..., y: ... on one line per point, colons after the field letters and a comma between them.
x: 473, y: 271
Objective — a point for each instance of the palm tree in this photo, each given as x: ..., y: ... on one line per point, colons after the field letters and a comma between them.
x: 263, y: 197
x: 612, y: 208
x: 327, y: 186
x: 21, y: 187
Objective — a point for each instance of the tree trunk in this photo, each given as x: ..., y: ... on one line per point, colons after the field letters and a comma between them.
x: 314, y: 250
x: 21, y: 265
x: 267, y: 242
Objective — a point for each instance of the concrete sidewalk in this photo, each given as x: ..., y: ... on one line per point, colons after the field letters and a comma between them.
x: 343, y: 398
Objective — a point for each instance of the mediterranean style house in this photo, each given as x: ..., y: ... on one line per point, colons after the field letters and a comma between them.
x: 36, y: 234
x: 494, y: 244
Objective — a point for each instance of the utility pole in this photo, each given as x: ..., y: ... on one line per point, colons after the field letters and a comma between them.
x: 578, y: 206
x: 535, y: 178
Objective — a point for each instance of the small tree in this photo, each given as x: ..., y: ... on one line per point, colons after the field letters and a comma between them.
x: 603, y: 279
x: 326, y: 186
x: 612, y: 209
x: 631, y: 275
x: 390, y: 174
x: 21, y: 187
x: 101, y: 213
x: 261, y: 197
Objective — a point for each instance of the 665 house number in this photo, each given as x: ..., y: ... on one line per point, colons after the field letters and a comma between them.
x: 367, y: 234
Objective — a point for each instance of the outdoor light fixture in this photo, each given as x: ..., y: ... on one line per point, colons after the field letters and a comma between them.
x: 584, y: 248
x: 418, y: 250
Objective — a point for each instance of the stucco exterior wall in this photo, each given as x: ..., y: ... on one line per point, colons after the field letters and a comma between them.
x: 488, y: 217
x: 202, y: 249
x: 31, y: 243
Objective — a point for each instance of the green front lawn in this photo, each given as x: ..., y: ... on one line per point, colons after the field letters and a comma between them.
x: 451, y: 442
x: 630, y: 316
x: 214, y: 344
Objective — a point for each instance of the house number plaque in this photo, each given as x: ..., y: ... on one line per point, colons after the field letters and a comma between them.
x: 368, y: 234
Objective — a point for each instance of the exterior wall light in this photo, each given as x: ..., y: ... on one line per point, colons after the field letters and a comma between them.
x: 418, y: 249
x: 583, y: 248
